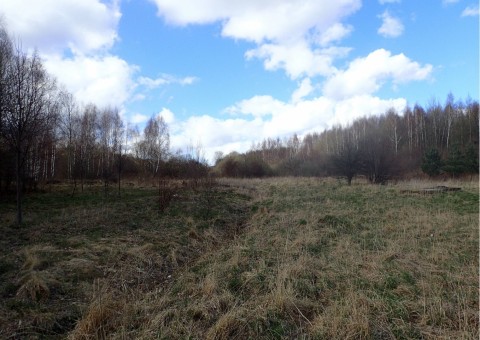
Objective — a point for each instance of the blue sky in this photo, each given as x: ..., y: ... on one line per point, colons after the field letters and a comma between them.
x: 225, y: 73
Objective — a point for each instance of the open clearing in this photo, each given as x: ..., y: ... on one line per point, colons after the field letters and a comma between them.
x: 270, y: 258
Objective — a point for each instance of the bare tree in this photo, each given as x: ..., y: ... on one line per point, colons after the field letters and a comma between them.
x: 155, y: 144
x: 217, y: 157
x: 88, y: 138
x: 346, y: 161
x: 117, y: 143
x: 69, y: 123
x: 449, y: 116
x: 6, y: 57
x: 105, y: 139
x: 377, y: 159
x: 25, y: 115
x: 395, y: 130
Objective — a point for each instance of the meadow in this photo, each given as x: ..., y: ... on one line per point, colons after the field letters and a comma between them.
x: 272, y: 258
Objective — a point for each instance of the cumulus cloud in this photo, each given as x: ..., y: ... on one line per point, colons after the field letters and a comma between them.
x: 167, y: 115
x: 347, y: 110
x: 336, y: 32
x: 257, y: 106
x: 252, y: 20
x: 286, y: 33
x: 74, y: 38
x: 276, y: 119
x: 214, y: 133
x: 346, y: 95
x: 303, y: 90
x: 54, y: 26
x: 391, y: 27
x: 366, y: 75
x: 103, y: 80
x: 298, y: 59
x: 471, y: 11
x: 449, y: 2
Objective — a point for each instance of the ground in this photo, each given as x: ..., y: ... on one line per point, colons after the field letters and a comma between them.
x: 270, y: 258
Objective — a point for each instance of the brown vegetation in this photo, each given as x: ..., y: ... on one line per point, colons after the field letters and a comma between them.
x: 272, y: 258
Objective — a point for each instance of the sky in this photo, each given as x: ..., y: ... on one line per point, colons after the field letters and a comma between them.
x: 225, y: 74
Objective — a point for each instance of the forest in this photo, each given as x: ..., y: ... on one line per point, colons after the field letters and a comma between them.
x: 47, y: 137
x: 439, y: 140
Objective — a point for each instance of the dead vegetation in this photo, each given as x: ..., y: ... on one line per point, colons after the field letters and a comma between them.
x: 271, y: 258
x: 79, y: 262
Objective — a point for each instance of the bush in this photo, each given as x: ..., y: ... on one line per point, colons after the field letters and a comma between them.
x: 235, y: 165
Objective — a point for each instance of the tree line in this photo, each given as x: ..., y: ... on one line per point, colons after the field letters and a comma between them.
x: 438, y: 139
x: 47, y: 136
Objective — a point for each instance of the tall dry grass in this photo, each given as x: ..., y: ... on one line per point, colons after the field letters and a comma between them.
x: 273, y: 258
x: 319, y: 259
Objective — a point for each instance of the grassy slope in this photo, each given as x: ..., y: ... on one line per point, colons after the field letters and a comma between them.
x: 316, y: 259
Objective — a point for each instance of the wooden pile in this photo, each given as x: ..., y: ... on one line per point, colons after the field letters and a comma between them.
x: 431, y: 191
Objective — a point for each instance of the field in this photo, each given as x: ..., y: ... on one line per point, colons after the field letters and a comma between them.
x: 270, y: 259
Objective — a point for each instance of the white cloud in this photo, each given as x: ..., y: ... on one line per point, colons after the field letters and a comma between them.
x: 347, y: 110
x: 138, y: 118
x: 366, y: 75
x: 303, y: 90
x: 286, y: 33
x: 164, y: 79
x: 347, y: 95
x: 54, y: 26
x: 257, y: 106
x: 253, y: 20
x: 471, y: 11
x: 214, y: 133
x: 298, y: 59
x: 150, y: 83
x: 276, y: 119
x: 449, y: 2
x: 383, y: 2
x: 336, y: 32
x: 167, y: 116
x: 391, y: 27
x: 74, y: 38
x: 103, y: 80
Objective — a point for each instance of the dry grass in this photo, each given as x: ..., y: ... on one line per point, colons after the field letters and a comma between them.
x: 320, y: 259
x: 315, y: 259
x: 80, y: 264
x: 33, y: 286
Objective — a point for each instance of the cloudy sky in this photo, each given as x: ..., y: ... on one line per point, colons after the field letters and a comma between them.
x: 227, y: 73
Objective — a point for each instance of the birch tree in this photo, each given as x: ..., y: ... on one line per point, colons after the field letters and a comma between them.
x: 25, y: 113
x: 155, y: 144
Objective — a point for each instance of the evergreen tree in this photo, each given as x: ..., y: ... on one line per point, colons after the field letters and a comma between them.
x: 455, y: 163
x: 432, y: 163
x: 471, y: 159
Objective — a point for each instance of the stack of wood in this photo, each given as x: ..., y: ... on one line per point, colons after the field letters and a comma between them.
x: 430, y: 191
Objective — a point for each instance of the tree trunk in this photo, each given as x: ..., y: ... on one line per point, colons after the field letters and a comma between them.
x: 349, y: 180
x: 119, y: 171
x: 19, y: 188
